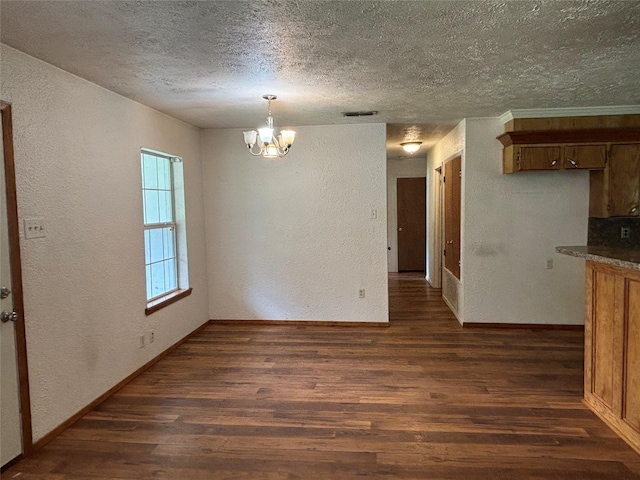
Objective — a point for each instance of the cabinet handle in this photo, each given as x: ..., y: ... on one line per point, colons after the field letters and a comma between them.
x: 633, y: 209
x: 573, y: 163
x: 554, y: 162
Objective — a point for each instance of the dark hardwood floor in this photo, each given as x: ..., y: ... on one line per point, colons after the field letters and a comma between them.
x: 421, y: 399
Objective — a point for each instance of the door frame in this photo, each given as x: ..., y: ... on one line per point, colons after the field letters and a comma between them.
x: 438, y: 227
x: 16, y: 276
x: 392, y: 217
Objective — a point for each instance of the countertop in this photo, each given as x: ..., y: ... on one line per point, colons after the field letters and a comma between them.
x: 619, y: 257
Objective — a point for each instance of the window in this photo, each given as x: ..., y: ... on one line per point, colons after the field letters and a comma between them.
x: 164, y: 227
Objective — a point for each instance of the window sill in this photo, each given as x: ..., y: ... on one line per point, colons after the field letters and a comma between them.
x: 168, y: 299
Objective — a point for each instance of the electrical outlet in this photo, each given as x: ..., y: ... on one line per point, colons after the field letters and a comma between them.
x: 141, y: 341
x: 549, y: 264
x: 152, y: 336
x: 361, y: 293
x: 625, y: 232
x: 34, y: 228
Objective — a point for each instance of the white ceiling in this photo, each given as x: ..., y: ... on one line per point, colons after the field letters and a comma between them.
x: 423, y: 65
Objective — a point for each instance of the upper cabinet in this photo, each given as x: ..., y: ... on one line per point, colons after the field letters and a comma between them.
x: 615, y: 191
x: 607, y: 146
x: 561, y: 149
x: 518, y: 158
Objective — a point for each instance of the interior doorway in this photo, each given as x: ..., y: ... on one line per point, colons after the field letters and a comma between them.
x: 411, y: 214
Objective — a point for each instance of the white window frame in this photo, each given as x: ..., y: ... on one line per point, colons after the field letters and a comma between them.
x: 179, y: 233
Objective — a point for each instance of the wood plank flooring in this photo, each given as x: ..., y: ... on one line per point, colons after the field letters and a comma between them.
x: 422, y: 399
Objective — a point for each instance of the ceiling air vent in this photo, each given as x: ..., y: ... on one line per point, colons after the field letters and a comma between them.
x: 368, y: 113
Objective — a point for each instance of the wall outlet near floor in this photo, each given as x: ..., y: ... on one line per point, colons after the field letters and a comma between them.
x: 142, y: 342
x: 625, y: 232
x: 361, y: 293
x: 549, y: 264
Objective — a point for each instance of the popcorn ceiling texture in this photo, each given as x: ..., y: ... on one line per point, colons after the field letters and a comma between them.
x: 77, y: 153
x: 293, y: 238
x: 416, y: 62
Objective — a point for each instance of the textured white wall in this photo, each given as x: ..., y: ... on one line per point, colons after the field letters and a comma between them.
x: 293, y: 238
x: 399, y: 168
x: 452, y: 145
x: 512, y: 224
x: 77, y: 152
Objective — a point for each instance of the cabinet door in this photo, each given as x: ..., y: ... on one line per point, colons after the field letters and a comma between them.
x: 631, y: 383
x: 589, y: 157
x: 624, y: 180
x: 539, y: 158
x: 603, y: 329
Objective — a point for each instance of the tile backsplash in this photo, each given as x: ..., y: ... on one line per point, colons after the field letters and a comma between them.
x: 606, y: 232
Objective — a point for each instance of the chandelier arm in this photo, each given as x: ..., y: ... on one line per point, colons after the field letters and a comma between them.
x: 282, y: 150
x: 254, y: 153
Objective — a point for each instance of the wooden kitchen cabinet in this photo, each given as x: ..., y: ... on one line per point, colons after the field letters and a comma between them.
x: 612, y: 348
x: 615, y: 191
x: 537, y: 158
x: 561, y: 148
x: 520, y: 158
x: 588, y: 157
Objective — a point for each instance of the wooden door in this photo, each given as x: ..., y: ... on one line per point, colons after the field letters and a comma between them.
x: 624, y: 180
x: 631, y: 333
x: 15, y: 411
x: 605, y: 324
x: 539, y: 158
x: 411, y: 224
x: 588, y: 157
x: 10, y: 398
x: 452, y: 196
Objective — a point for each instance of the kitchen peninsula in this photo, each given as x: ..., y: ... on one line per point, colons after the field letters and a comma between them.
x: 612, y: 336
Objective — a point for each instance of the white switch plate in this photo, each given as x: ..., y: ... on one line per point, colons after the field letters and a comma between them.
x: 34, y: 228
x: 549, y: 264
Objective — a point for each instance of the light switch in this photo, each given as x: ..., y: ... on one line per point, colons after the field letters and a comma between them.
x: 34, y: 228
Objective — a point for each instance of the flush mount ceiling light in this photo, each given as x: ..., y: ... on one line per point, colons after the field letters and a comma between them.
x: 269, y: 145
x: 411, y: 147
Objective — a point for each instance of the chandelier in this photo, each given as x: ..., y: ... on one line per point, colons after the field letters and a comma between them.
x: 269, y: 145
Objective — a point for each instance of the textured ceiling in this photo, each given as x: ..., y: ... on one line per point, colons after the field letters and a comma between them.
x: 423, y: 65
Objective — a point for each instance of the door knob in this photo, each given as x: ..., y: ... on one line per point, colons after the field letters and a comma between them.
x: 400, y: 229
x: 8, y: 316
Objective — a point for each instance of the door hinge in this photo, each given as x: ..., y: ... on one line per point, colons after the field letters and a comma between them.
x: 460, y: 173
x: 444, y: 179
